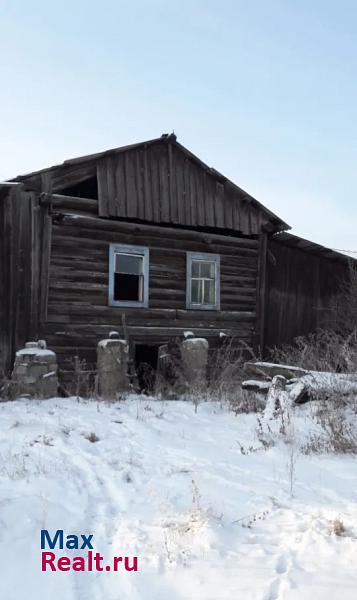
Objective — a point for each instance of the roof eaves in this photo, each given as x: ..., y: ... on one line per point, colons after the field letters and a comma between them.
x: 88, y: 158
x: 296, y: 241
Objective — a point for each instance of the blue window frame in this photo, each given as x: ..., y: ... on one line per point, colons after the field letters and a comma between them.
x: 202, y: 281
x: 128, y: 276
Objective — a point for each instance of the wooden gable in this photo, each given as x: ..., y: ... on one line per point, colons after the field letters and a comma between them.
x: 161, y: 182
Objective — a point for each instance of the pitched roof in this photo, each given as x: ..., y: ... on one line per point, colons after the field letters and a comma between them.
x: 307, y: 246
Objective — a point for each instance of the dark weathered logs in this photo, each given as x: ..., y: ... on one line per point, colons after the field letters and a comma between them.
x: 58, y: 201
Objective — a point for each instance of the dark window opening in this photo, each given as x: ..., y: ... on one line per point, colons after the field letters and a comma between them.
x: 85, y: 189
x: 146, y: 359
x: 128, y: 277
x: 127, y: 287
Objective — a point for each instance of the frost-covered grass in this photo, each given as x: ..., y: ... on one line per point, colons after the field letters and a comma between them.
x: 206, y: 508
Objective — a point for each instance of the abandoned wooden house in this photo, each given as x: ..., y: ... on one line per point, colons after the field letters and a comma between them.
x: 150, y: 233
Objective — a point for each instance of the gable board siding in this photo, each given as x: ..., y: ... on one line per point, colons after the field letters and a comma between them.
x: 161, y: 184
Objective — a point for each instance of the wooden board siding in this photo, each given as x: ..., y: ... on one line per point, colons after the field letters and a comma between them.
x: 160, y: 183
x: 22, y: 227
x: 301, y: 286
x: 78, y: 314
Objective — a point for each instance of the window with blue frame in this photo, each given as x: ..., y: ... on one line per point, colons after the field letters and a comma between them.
x: 128, y: 276
x: 203, y: 281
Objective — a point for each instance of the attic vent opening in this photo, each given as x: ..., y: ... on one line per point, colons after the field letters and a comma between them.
x: 85, y: 189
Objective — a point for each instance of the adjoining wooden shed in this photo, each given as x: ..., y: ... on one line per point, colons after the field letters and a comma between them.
x: 302, y: 280
x: 146, y: 240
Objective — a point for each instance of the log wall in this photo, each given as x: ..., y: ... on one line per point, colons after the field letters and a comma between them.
x: 78, y: 314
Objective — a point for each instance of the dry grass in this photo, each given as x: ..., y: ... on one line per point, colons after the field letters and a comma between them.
x: 91, y: 437
x: 325, y: 350
x: 338, y: 528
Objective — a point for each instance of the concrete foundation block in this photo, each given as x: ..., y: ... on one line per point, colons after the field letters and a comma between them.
x: 35, y: 372
x: 112, y: 366
x: 194, y: 357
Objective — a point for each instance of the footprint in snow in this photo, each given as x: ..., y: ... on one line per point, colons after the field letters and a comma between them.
x: 282, y: 565
x: 274, y: 591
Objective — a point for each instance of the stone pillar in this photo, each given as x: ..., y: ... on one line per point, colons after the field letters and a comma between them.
x: 194, y: 357
x: 35, y: 372
x: 112, y: 366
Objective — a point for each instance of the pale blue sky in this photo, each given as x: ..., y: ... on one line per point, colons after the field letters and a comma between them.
x: 265, y: 91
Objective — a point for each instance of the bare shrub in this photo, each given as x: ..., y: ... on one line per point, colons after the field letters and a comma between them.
x: 344, y: 311
x: 325, y: 350
x: 146, y: 375
x: 170, y: 382
x: 17, y: 465
x: 5, y: 387
x: 83, y: 379
x: 264, y: 434
x: 226, y: 373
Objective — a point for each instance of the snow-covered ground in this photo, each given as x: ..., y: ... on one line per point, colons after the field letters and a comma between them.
x: 208, y: 512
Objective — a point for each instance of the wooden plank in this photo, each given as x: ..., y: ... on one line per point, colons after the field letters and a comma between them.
x: 103, y: 194
x: 46, y: 182
x: 111, y: 185
x: 45, y: 265
x: 131, y: 195
x: 187, y: 192
x: 164, y: 193
x: 244, y: 217
x: 261, y: 291
x: 92, y: 222
x: 59, y: 201
x: 219, y: 205
x: 140, y: 184
x: 155, y: 184
x: 172, y: 186
x: 179, y: 184
x: 84, y: 308
x: 35, y: 253
x: 208, y: 200
x: 121, y: 210
x: 148, y: 201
